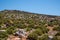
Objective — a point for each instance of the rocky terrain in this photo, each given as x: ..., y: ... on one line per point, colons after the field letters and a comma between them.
x: 34, y: 26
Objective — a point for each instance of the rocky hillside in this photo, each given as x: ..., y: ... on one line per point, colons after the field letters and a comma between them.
x: 16, y: 14
x: 40, y: 26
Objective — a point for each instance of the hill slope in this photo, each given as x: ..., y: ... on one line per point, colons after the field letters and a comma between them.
x: 22, y: 14
x: 10, y: 20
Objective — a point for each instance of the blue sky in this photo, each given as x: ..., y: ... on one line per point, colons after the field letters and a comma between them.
x: 50, y: 7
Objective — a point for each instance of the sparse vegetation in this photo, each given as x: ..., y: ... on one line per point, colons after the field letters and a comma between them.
x: 10, y: 20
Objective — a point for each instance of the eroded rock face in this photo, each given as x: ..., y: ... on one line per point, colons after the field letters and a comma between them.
x: 19, y: 35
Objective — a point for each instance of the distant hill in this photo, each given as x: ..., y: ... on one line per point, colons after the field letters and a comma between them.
x: 22, y: 14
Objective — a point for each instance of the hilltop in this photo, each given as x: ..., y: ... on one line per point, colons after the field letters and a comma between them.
x: 18, y: 13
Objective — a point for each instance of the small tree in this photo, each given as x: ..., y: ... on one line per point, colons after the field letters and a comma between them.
x: 57, y: 28
x: 38, y: 32
x: 10, y: 30
x: 3, y: 35
x: 33, y: 36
